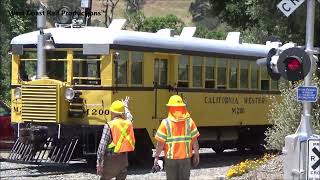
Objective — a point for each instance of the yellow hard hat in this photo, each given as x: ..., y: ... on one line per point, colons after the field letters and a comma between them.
x: 176, y: 100
x: 117, y: 107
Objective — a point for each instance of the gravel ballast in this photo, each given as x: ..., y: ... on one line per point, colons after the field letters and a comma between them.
x: 212, y: 166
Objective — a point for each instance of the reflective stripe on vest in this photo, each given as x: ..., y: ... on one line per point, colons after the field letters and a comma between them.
x: 186, y: 139
x: 123, y: 136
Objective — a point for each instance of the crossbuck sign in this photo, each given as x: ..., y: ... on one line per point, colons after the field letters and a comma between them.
x: 288, y: 6
x: 313, y: 159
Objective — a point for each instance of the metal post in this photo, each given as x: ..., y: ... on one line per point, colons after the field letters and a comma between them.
x: 88, y: 13
x: 41, y: 53
x: 305, y: 124
x: 295, y: 163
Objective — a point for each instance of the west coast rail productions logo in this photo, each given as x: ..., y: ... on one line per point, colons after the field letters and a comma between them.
x: 64, y: 12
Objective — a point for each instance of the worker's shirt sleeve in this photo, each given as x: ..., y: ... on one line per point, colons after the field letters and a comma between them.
x: 194, y: 130
x: 105, y: 139
x: 128, y: 114
x: 161, y: 134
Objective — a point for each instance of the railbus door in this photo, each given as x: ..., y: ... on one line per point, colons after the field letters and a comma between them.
x: 161, y: 86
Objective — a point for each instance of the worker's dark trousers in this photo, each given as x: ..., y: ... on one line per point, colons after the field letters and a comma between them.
x: 115, y: 166
x: 177, y: 169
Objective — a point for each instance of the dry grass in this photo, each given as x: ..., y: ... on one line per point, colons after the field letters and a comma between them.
x: 180, y: 8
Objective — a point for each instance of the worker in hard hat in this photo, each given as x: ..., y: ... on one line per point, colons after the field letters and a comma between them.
x: 177, y: 135
x: 116, y: 141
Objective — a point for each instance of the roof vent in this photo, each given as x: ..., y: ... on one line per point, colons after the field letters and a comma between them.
x: 166, y: 32
x: 233, y: 37
x: 117, y: 24
x: 188, y: 31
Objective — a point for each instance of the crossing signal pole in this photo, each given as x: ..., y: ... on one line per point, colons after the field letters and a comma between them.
x: 302, y: 148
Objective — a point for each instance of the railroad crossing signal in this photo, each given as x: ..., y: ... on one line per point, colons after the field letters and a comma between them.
x: 292, y: 64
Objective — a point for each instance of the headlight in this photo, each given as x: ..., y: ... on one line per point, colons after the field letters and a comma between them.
x: 69, y: 94
x: 17, y: 92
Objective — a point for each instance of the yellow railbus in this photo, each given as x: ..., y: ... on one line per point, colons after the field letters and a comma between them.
x: 60, y: 116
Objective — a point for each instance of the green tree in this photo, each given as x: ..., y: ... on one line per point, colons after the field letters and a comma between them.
x: 260, y: 19
x: 138, y: 22
x: 135, y: 20
x: 203, y: 32
x: 153, y: 24
x: 285, y: 114
x: 11, y: 25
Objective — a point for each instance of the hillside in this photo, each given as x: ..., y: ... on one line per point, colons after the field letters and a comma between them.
x: 180, y: 8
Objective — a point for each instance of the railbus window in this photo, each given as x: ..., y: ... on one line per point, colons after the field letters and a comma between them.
x: 244, y: 74
x: 160, y: 72
x: 254, y: 75
x: 210, y: 73
x: 233, y: 74
x: 183, y: 71
x: 136, y: 68
x: 265, y: 80
x: 86, y: 69
x: 121, y: 68
x: 197, y: 63
x: 28, y: 66
x: 222, y: 73
x: 56, y: 65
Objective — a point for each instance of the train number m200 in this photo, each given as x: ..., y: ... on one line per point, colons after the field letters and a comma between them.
x: 97, y: 112
x: 237, y: 110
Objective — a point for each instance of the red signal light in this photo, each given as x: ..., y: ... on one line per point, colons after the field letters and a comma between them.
x: 293, y: 64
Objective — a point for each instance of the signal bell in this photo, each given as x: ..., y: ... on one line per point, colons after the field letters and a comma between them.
x: 293, y: 64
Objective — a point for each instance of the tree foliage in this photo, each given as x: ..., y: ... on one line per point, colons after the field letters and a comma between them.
x: 109, y: 7
x: 199, y: 10
x: 285, y: 115
x: 11, y: 25
x: 138, y: 22
x: 134, y: 5
x: 153, y: 24
x: 203, y: 32
x: 261, y: 19
x: 135, y: 20
x: 258, y: 20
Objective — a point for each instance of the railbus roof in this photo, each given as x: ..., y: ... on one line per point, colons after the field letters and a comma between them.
x: 159, y: 42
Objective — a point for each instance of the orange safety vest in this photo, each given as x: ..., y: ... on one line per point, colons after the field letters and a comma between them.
x: 178, y: 144
x: 122, y: 136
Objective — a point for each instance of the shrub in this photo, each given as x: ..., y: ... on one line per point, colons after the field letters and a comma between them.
x: 285, y: 115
